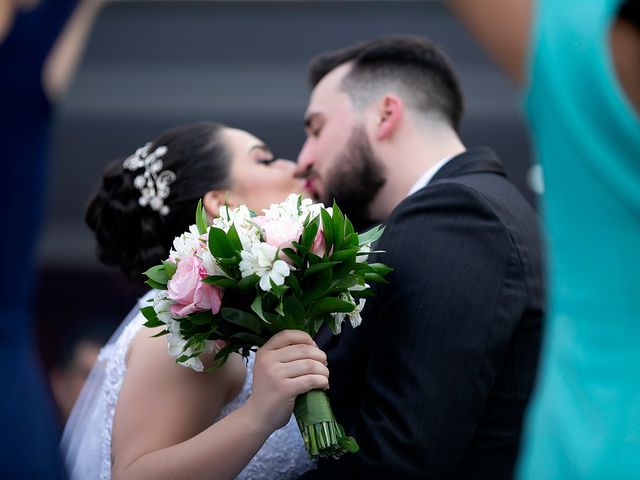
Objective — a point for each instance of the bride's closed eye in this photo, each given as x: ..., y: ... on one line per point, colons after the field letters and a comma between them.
x: 267, y: 161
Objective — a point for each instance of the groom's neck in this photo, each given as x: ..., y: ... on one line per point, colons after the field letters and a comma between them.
x: 417, y: 148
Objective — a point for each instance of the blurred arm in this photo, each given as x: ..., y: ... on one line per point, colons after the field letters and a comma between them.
x: 65, y: 55
x: 6, y: 18
x: 502, y: 27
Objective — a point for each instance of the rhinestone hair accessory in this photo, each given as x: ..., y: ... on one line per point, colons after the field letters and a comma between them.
x: 153, y: 183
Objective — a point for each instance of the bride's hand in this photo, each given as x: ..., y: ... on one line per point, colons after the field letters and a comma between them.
x: 288, y: 365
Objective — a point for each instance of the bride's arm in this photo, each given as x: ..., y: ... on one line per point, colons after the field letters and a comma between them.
x: 162, y: 428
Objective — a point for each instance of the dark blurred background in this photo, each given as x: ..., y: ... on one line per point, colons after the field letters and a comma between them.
x: 151, y: 65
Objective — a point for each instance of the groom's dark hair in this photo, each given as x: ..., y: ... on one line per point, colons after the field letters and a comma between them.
x: 413, y: 65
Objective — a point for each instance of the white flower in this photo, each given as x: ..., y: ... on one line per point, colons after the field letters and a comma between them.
x: 363, y: 249
x: 290, y: 209
x: 186, y: 244
x: 176, y: 348
x: 209, y: 263
x: 354, y: 316
x: 162, y: 307
x: 229, y: 216
x: 263, y: 260
x: 249, y: 233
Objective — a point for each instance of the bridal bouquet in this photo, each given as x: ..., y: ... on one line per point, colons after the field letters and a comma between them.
x: 246, y: 277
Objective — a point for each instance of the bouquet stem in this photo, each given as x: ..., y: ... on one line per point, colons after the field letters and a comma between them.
x: 323, y: 435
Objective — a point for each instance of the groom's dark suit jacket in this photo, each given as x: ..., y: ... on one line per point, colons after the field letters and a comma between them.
x: 435, y: 382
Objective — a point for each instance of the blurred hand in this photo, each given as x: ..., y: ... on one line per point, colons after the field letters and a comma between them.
x: 288, y: 365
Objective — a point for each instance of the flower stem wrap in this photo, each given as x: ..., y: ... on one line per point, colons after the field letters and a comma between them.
x: 323, y: 436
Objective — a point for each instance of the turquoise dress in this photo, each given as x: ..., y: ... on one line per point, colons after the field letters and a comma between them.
x: 585, y: 417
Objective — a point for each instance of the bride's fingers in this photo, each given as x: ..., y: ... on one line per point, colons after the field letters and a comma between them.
x: 286, y: 338
x: 292, y: 353
x: 298, y: 386
x: 300, y: 368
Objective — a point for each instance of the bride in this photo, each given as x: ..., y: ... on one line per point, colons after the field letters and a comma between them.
x: 140, y: 414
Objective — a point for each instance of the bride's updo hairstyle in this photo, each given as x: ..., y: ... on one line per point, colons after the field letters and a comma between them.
x: 147, y: 200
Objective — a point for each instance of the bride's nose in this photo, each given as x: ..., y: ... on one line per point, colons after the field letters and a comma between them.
x: 285, y: 164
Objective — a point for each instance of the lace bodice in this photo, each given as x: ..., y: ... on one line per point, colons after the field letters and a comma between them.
x: 86, y: 441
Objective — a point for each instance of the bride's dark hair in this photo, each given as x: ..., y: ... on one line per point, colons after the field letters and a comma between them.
x: 135, y: 237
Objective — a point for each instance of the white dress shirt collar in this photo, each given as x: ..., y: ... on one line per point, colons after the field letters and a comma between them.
x: 424, y: 180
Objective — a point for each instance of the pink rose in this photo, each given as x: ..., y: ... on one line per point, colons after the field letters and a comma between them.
x: 189, y: 292
x: 280, y: 233
x: 318, y: 246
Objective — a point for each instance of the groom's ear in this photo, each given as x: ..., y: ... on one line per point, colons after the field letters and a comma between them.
x: 390, y: 111
x: 212, y: 201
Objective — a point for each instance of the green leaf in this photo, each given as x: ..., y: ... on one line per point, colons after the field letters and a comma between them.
x: 374, y: 277
x: 343, y: 284
x: 219, y: 244
x: 318, y: 267
x: 162, y: 333
x: 278, y: 290
x: 313, y: 258
x: 201, y: 218
x: 228, y: 261
x: 346, y: 267
x: 157, y: 274
x: 149, y: 313
x: 381, y: 268
x: 293, y: 308
x: 330, y: 305
x: 221, y: 281
x: 327, y: 228
x: 346, y: 254
x: 201, y: 318
x: 156, y: 285
x: 242, y: 319
x: 153, y: 323
x: 338, y: 227
x: 223, y: 354
x: 351, y: 240
x: 276, y: 322
x: 317, y: 324
x: 348, y: 227
x: 256, y: 306
x: 371, y: 235
x: 249, y: 338
x: 292, y: 254
x: 367, y: 292
x: 309, y: 233
x: 292, y: 281
x: 169, y: 268
x: 234, y: 238
x: 320, y: 285
x: 247, y: 283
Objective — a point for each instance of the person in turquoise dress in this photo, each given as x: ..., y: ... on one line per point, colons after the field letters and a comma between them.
x: 579, y: 65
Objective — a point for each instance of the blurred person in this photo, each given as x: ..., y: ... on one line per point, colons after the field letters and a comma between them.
x: 75, y: 358
x: 40, y: 42
x: 140, y: 414
x: 435, y: 381
x: 578, y: 64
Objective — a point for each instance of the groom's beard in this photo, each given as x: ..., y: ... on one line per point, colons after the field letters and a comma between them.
x: 356, y: 180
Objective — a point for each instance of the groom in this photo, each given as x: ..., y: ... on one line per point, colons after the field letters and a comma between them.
x: 435, y: 382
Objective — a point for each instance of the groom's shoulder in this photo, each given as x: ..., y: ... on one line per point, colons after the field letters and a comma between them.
x: 488, y: 195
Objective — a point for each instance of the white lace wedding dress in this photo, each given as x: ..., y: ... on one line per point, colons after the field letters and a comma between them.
x: 86, y: 441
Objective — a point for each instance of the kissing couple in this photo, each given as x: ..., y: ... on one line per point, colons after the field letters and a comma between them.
x: 434, y: 382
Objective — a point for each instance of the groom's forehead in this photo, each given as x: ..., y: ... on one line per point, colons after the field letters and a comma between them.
x: 330, y: 86
x: 328, y: 95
